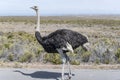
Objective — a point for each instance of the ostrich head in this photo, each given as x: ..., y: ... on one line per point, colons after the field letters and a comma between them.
x: 34, y: 8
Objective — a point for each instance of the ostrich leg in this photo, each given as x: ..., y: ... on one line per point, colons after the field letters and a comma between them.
x: 64, y: 61
x: 68, y: 64
x: 63, y: 68
x: 69, y: 47
x: 70, y: 75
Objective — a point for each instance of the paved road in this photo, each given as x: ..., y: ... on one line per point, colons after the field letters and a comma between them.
x: 54, y: 74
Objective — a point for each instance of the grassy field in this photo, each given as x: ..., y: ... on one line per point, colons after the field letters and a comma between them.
x: 93, y: 26
x: 17, y: 38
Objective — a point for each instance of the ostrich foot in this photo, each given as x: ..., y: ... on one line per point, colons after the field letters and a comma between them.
x: 67, y: 77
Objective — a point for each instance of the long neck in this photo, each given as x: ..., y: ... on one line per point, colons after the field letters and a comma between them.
x: 37, y: 31
x: 38, y: 21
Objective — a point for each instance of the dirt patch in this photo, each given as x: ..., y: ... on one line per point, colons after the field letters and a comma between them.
x: 52, y: 66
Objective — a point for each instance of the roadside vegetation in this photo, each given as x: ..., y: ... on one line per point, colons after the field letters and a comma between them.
x: 22, y: 46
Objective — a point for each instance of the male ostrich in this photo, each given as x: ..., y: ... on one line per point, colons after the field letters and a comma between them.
x: 60, y: 41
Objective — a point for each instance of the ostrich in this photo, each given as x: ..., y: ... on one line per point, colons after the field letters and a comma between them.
x: 61, y: 41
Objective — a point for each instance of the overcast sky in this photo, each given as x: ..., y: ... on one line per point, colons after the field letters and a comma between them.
x: 59, y: 7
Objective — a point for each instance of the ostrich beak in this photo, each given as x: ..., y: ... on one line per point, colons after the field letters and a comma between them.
x: 34, y: 8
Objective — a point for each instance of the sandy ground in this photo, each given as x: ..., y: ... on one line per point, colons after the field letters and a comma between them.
x: 52, y: 66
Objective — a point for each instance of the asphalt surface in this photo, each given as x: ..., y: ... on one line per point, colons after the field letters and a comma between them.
x: 54, y: 74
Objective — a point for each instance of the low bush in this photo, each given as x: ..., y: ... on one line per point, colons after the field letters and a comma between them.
x: 26, y: 57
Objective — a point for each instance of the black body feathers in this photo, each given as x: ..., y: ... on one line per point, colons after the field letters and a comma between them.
x: 59, y: 39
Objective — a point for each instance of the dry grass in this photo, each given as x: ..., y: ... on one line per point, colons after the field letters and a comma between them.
x: 90, y: 25
x: 51, y: 66
x: 95, y: 32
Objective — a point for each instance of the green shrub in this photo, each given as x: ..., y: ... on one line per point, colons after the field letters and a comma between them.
x: 26, y: 57
x: 118, y: 60
x: 1, y: 52
x: 85, y: 56
x: 56, y: 59
x: 11, y: 57
x: 75, y: 62
x: 107, y: 61
x: 7, y: 45
x: 97, y: 61
x: 53, y: 58
x: 10, y: 35
x: 117, y: 54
